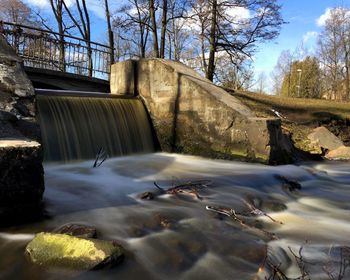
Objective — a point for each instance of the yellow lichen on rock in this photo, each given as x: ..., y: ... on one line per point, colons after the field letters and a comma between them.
x: 61, y: 250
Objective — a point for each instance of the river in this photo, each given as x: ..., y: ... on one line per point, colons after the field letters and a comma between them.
x: 175, y: 236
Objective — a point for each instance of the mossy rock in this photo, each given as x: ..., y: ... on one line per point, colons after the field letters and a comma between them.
x: 70, y: 252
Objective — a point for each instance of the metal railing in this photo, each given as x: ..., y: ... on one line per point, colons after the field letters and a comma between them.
x: 46, y: 49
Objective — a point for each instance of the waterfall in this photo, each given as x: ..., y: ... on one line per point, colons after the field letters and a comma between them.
x: 76, y: 127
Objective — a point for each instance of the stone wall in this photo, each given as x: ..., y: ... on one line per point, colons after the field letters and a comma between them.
x: 191, y: 115
x: 21, y: 170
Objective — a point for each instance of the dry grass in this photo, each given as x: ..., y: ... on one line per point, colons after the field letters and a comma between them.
x: 300, y: 116
x: 295, y: 109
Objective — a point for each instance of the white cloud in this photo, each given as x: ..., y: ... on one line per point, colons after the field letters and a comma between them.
x: 45, y: 3
x: 238, y: 13
x: 96, y: 7
x: 309, y: 36
x: 38, y: 3
x: 321, y: 21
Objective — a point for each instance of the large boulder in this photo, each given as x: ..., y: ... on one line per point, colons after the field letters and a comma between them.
x: 322, y: 138
x: 73, y: 253
x: 16, y: 90
x: 192, y: 115
x: 21, y: 170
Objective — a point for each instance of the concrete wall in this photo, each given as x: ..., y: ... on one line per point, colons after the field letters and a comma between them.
x: 192, y: 115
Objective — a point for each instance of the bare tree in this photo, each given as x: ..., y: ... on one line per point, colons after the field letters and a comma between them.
x: 83, y: 26
x: 57, y: 9
x: 235, y: 34
x: 132, y: 26
x: 16, y: 11
x: 261, y: 82
x: 334, y: 52
x: 110, y: 32
x: 154, y: 27
x: 164, y: 28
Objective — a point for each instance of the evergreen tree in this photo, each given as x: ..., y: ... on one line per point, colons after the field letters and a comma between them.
x: 303, y: 79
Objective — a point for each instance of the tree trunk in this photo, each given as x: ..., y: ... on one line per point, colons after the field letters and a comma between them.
x: 154, y: 28
x: 212, y: 42
x: 347, y: 75
x: 164, y: 24
x: 110, y: 33
x: 203, y: 51
x: 57, y: 9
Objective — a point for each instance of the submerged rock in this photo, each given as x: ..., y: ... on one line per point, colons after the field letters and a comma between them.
x: 69, y: 252
x: 147, y: 196
x: 84, y: 231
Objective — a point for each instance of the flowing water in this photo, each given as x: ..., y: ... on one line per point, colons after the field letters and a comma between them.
x: 76, y: 127
x: 176, y: 237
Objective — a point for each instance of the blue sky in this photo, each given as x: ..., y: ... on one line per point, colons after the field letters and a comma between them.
x: 302, y: 17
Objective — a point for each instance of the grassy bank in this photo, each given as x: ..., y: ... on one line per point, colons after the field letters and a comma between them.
x: 300, y: 116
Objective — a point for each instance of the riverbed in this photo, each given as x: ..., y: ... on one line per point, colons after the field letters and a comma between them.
x: 280, y: 216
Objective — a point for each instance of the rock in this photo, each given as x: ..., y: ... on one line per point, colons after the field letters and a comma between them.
x: 83, y: 231
x: 22, y: 176
x: 69, y: 252
x: 321, y: 137
x: 341, y: 153
x: 192, y: 115
x: 147, y: 195
x: 21, y: 170
x: 7, y: 116
x: 13, y: 79
x: 289, y: 184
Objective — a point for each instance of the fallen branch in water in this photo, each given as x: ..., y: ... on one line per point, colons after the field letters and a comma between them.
x: 101, y: 156
x: 235, y: 216
x: 258, y: 212
x: 329, y: 269
x: 301, y: 264
x: 190, y: 187
x: 275, y: 272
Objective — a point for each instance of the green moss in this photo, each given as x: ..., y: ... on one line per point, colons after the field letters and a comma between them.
x: 61, y: 250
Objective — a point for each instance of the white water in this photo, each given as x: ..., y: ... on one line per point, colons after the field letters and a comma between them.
x: 199, y: 244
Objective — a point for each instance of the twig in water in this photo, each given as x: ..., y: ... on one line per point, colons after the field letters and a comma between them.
x: 258, y: 212
x: 329, y: 269
x: 190, y: 187
x: 301, y: 264
x: 101, y: 156
x: 234, y: 215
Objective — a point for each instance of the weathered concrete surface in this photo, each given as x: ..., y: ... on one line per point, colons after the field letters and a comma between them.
x: 192, y: 115
x: 69, y: 252
x: 21, y: 170
x: 322, y: 138
x: 123, y: 78
x: 22, y: 182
